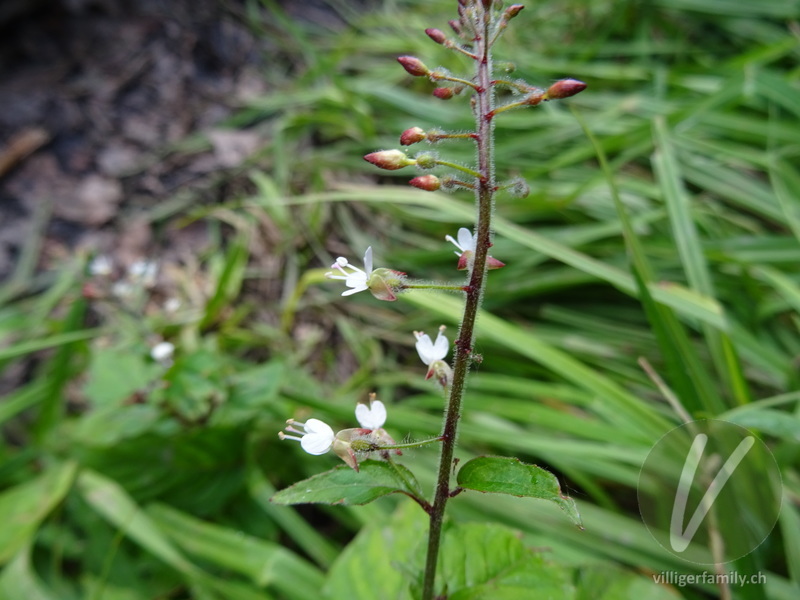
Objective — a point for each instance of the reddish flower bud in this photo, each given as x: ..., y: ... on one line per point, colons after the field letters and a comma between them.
x: 413, y: 66
x: 412, y: 136
x: 534, y: 98
x: 513, y: 10
x: 429, y: 183
x: 390, y: 160
x: 487, y: 4
x: 455, y: 26
x: 436, y: 35
x: 564, y: 89
x: 443, y: 93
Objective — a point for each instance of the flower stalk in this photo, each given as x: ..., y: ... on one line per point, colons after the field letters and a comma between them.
x: 480, y: 24
x: 484, y: 193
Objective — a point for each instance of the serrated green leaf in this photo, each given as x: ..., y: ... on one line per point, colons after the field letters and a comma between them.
x: 343, y: 485
x: 502, y: 475
x: 481, y: 561
x: 378, y: 562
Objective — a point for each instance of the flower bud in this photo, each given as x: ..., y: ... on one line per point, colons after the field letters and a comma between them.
x: 487, y: 4
x: 512, y: 11
x: 564, y: 88
x: 506, y: 67
x: 412, y: 136
x: 391, y: 160
x: 443, y: 93
x: 426, y: 160
x: 385, y: 284
x: 436, y: 35
x: 492, y: 263
x: 429, y: 183
x: 413, y: 66
x: 534, y: 98
x: 455, y: 26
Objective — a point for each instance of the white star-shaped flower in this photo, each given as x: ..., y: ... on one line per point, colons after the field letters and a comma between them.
x: 430, y: 351
x: 356, y: 278
x: 315, y: 438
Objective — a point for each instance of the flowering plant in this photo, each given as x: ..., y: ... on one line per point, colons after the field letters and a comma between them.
x: 480, y: 24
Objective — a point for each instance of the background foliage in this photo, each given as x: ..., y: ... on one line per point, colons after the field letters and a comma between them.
x: 124, y: 479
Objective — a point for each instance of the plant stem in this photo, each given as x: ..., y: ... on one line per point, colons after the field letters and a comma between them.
x: 484, y: 191
x: 410, y: 444
x: 433, y: 286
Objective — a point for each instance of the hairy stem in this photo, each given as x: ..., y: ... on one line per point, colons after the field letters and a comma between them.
x: 484, y: 191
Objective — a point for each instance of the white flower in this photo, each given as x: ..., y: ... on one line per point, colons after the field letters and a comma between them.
x: 144, y: 272
x: 465, y: 243
x: 429, y: 351
x: 101, y: 266
x: 163, y: 352
x: 372, y: 416
x: 122, y: 289
x: 356, y: 279
x: 315, y: 438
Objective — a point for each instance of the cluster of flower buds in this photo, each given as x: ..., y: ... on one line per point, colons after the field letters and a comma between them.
x: 471, y: 14
x: 316, y: 437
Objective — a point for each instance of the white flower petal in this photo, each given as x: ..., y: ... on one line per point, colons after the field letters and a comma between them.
x: 424, y: 348
x: 372, y: 416
x: 318, y: 437
x: 162, y: 351
x: 368, y: 260
x: 360, y: 288
x: 440, y: 347
x: 465, y: 240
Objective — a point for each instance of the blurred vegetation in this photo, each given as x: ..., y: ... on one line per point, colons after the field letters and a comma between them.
x: 125, y: 479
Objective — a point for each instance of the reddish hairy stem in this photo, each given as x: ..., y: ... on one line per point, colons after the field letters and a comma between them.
x: 484, y: 191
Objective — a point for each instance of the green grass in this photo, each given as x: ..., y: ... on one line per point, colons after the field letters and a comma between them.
x: 663, y: 224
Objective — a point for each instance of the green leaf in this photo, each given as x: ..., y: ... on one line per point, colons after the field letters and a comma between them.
x: 263, y: 562
x: 608, y: 582
x: 19, y: 580
x: 111, y: 501
x: 116, y: 373
x: 772, y: 421
x: 480, y: 561
x: 343, y: 485
x: 24, y: 507
x: 501, y: 475
x: 377, y: 562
